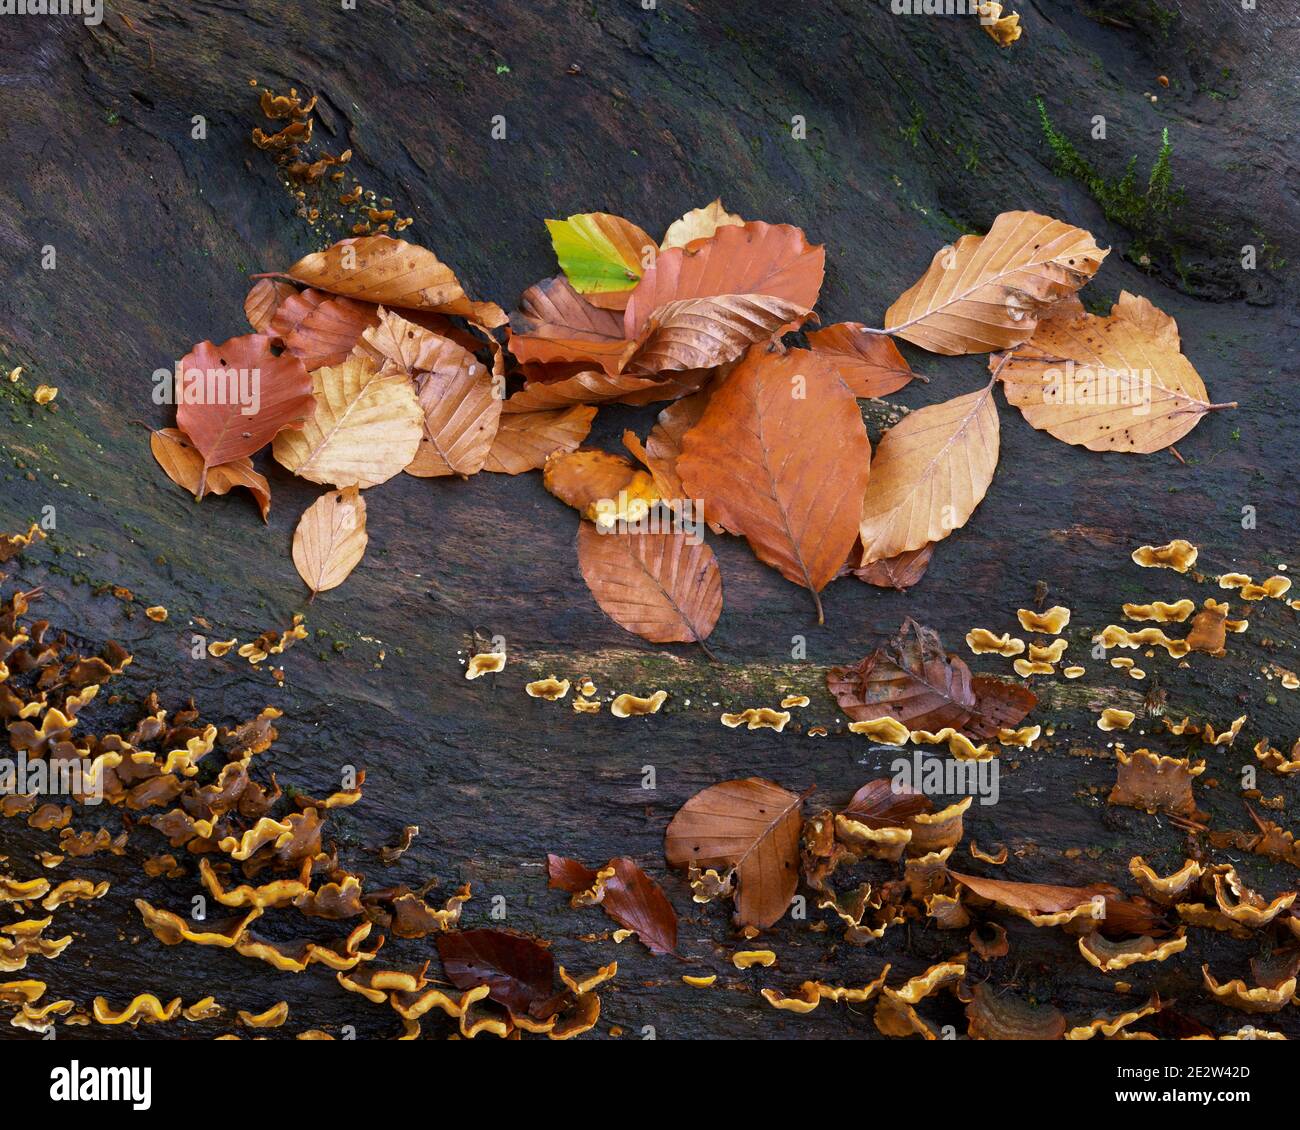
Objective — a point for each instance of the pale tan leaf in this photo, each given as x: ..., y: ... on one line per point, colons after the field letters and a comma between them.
x: 330, y: 539
x: 931, y: 470
x: 988, y: 292
x: 525, y: 439
x: 752, y: 825
x: 1119, y: 383
x: 366, y: 428
x: 659, y: 586
x: 183, y: 464
x: 698, y: 223
x: 781, y: 455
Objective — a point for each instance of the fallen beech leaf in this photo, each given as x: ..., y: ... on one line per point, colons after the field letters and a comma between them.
x: 663, y: 447
x: 366, y: 428
x: 698, y: 223
x: 1035, y: 899
x: 988, y: 292
x: 899, y: 572
x: 750, y: 825
x: 700, y: 333
x: 1119, y: 383
x: 780, y: 455
x: 457, y: 395
x: 263, y: 300
x: 629, y: 896
x: 221, y: 385
x: 998, y: 706
x: 330, y: 539
x: 518, y: 970
x: 602, y: 256
x: 555, y: 323
x: 870, y: 364
x: 930, y: 472
x: 525, y: 440
x: 598, y: 388
x: 658, y: 586
x: 909, y: 678
x: 392, y: 272
x: 587, y: 476
x: 775, y: 260
x: 322, y: 332
x: 184, y: 466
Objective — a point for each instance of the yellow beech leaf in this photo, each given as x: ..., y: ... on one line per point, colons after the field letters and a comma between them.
x: 330, y: 539
x: 930, y: 472
x: 988, y: 292
x: 366, y: 428
x: 1119, y: 383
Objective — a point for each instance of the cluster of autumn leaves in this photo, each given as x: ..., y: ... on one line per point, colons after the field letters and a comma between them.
x: 373, y: 361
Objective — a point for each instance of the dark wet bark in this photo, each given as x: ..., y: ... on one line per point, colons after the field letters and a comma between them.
x: 918, y: 129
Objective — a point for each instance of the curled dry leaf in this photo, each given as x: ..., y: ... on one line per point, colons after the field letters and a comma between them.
x: 234, y: 398
x: 661, y: 586
x: 519, y: 970
x: 698, y: 223
x: 750, y: 825
x: 1119, y: 383
x: 628, y: 895
x: 555, y: 323
x: 775, y: 260
x: 525, y: 440
x: 988, y: 292
x: 899, y: 572
x: 780, y: 455
x: 184, y: 466
x: 264, y: 300
x: 455, y: 391
x: 330, y: 539
x: 909, y: 678
x: 602, y: 256
x: 699, y: 333
x: 366, y: 428
x: 321, y: 330
x: 392, y: 272
x: 600, y: 388
x: 931, y: 470
x: 870, y: 364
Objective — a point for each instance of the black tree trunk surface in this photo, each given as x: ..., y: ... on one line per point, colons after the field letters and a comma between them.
x: 918, y: 129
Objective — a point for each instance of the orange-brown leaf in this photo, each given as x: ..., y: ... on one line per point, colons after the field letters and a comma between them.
x: 330, y: 539
x: 870, y: 364
x: 525, y: 440
x: 392, y: 272
x: 184, y: 466
x: 237, y: 396
x: 741, y: 259
x: 752, y: 825
x: 780, y: 455
x: 661, y: 586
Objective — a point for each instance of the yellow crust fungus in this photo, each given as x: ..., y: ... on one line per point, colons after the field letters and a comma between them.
x: 886, y: 730
x: 1112, y: 718
x: 485, y: 663
x: 631, y: 706
x: 549, y: 688
x: 983, y: 642
x: 758, y: 718
x: 747, y: 959
x: 1051, y: 623
x: 1178, y: 555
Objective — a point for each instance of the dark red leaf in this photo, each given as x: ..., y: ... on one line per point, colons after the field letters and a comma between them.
x: 519, y: 969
